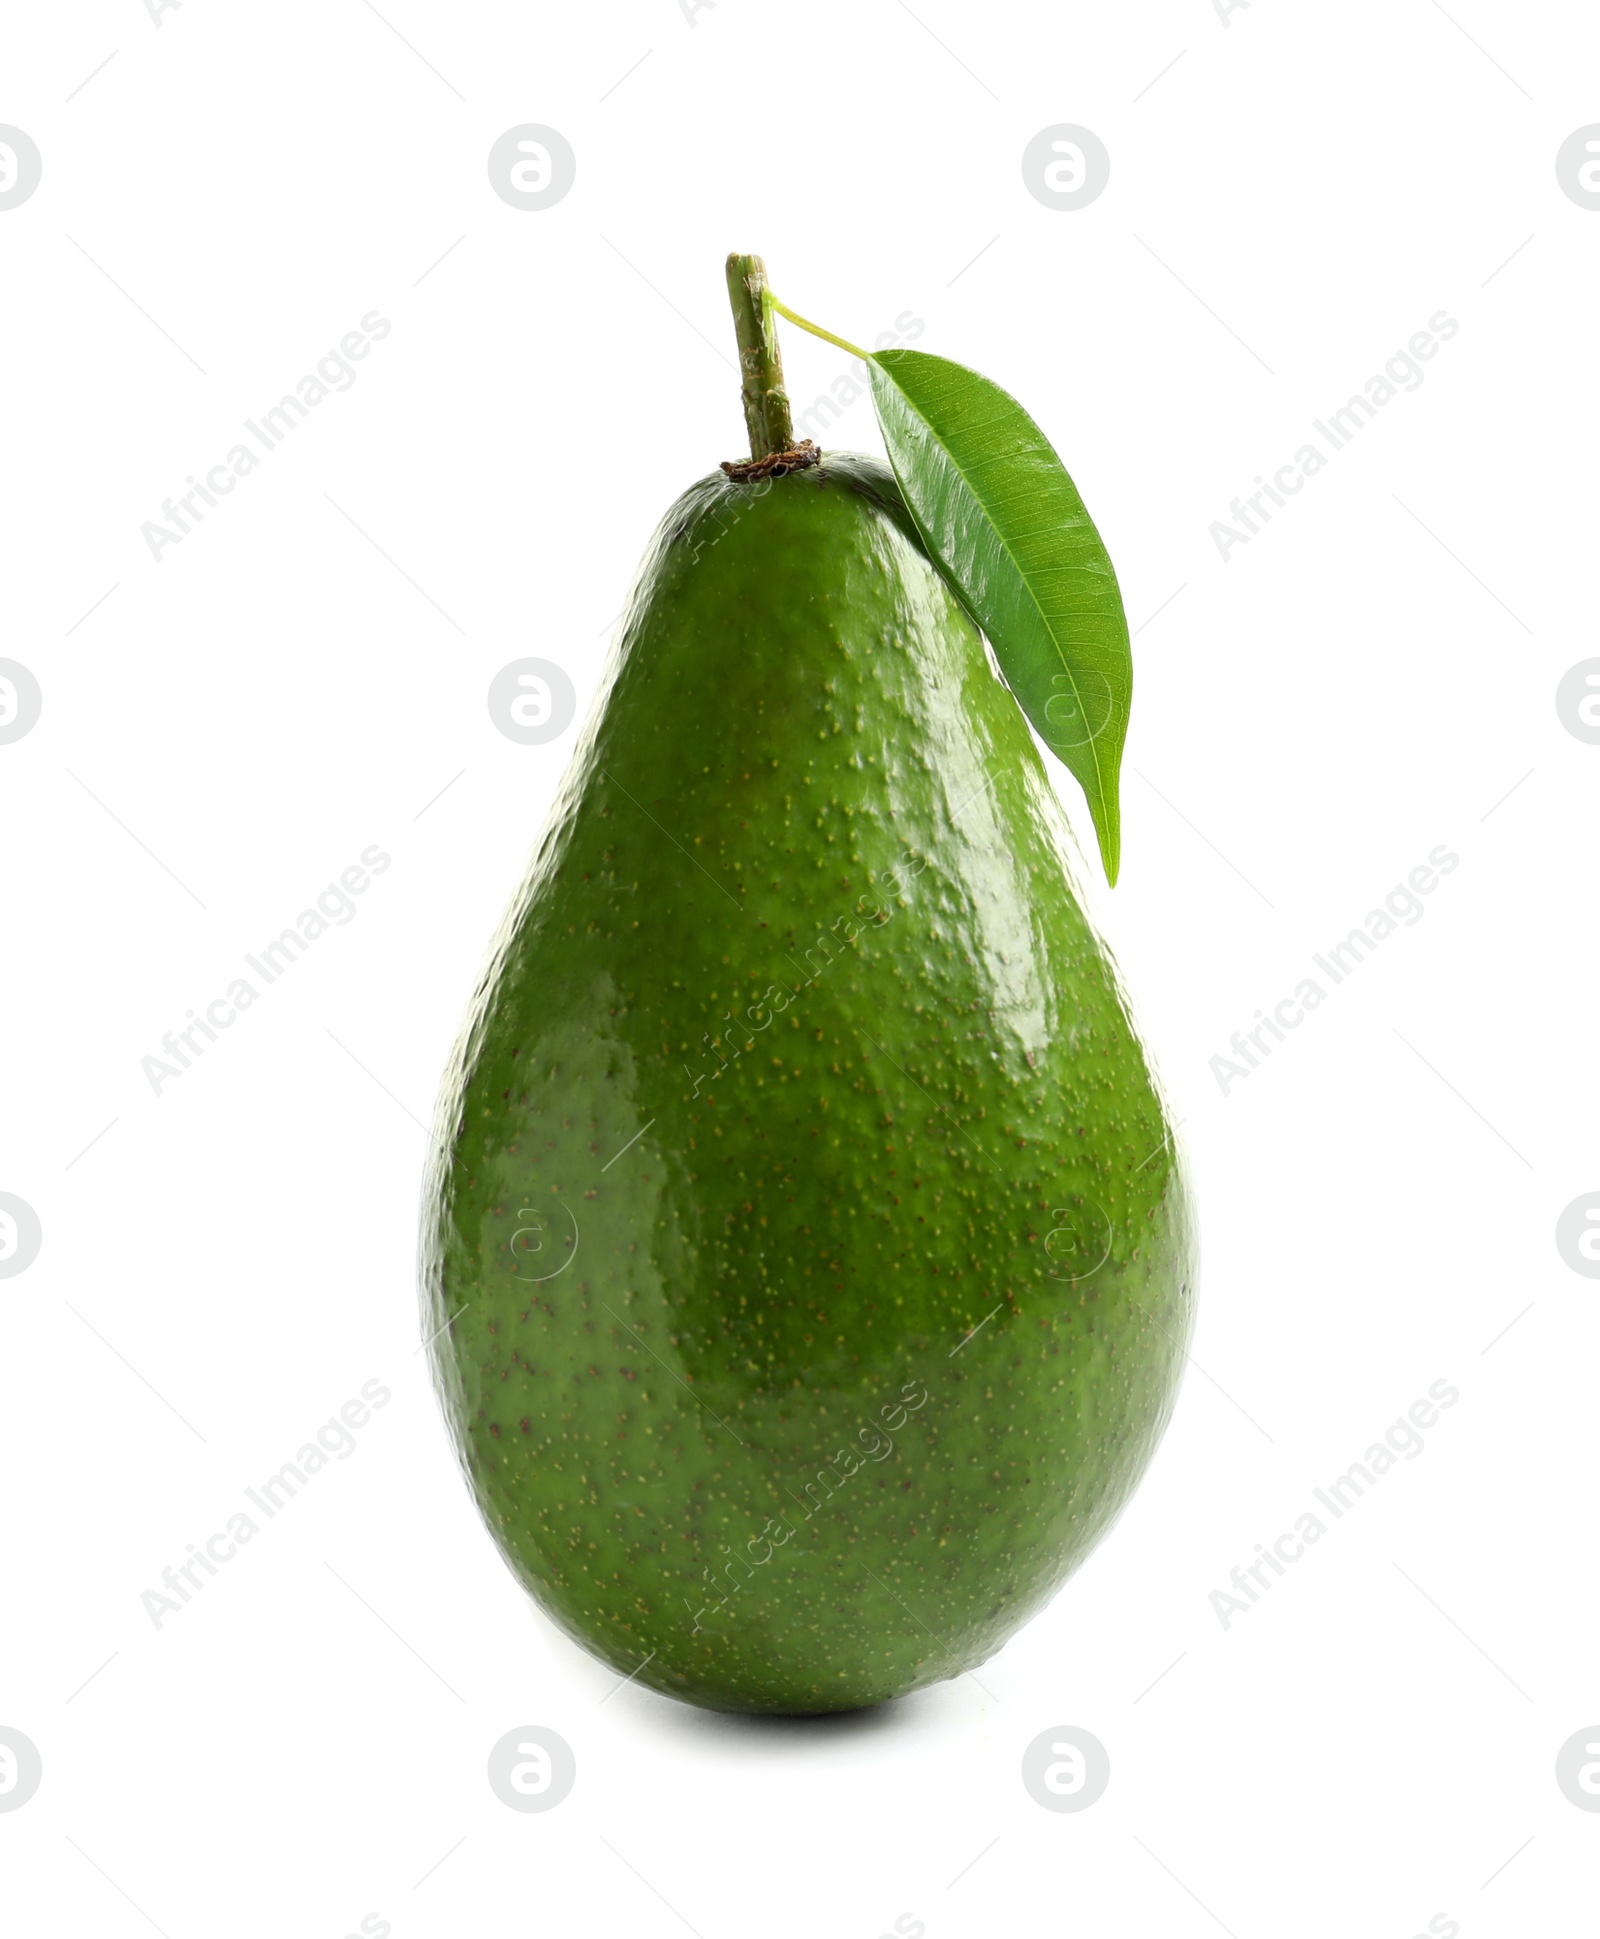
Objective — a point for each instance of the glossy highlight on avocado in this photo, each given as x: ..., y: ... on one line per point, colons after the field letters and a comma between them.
x: 806, y: 1247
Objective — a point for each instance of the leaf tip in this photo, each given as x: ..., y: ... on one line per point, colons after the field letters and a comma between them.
x: 1109, y: 831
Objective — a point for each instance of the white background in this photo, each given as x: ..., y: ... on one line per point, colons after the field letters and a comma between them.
x: 1374, y: 1743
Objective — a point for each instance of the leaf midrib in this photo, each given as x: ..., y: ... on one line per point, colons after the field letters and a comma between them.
x: 1050, y: 631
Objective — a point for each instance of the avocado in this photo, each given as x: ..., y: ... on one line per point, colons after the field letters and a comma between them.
x: 806, y: 1251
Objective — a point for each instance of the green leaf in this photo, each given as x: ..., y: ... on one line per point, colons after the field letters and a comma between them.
x: 999, y: 514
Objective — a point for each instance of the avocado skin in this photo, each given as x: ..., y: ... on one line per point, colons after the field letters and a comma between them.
x: 686, y: 1279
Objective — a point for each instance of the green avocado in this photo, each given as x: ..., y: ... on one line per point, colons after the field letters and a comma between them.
x: 806, y: 1250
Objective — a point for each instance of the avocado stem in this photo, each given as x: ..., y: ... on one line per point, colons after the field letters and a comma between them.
x: 766, y: 402
x: 816, y: 329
